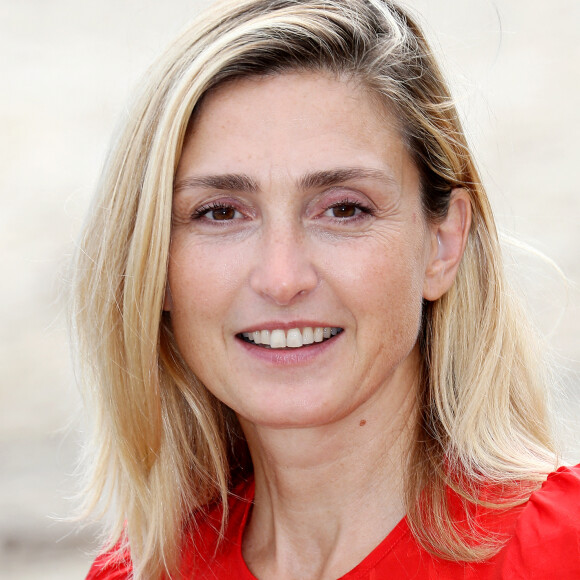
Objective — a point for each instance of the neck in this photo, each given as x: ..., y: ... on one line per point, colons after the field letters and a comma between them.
x: 328, y: 493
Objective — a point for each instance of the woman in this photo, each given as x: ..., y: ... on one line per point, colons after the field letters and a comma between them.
x: 289, y: 295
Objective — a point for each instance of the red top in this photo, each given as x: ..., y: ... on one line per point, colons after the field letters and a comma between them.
x: 544, y: 544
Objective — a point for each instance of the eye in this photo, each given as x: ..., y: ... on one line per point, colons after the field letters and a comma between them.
x: 218, y: 212
x: 346, y: 209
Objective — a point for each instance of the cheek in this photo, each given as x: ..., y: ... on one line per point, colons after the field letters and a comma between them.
x: 203, y: 285
x: 383, y: 265
x: 201, y: 273
x: 384, y: 283
x: 397, y: 298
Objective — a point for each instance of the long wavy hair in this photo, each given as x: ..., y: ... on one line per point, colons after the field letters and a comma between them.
x: 161, y: 445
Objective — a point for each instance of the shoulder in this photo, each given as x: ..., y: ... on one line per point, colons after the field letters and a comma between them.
x: 546, y: 539
x: 203, y: 548
x: 207, y: 553
x: 112, y: 565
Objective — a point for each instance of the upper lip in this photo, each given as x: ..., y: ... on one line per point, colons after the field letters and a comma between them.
x: 273, y: 325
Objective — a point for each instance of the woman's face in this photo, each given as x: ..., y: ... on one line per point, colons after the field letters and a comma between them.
x: 297, y: 208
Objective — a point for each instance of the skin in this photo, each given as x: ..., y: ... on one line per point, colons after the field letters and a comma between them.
x: 354, y: 251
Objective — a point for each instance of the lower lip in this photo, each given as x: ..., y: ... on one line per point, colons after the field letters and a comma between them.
x: 289, y: 356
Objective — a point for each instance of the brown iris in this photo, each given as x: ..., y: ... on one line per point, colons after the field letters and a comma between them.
x: 344, y: 210
x: 223, y: 213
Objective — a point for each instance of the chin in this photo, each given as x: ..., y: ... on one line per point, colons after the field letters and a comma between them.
x: 294, y: 412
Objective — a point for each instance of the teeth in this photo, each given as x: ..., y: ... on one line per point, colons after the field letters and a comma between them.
x: 278, y: 339
x: 293, y: 338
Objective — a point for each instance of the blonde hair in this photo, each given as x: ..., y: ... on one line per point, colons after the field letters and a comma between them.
x: 162, y: 446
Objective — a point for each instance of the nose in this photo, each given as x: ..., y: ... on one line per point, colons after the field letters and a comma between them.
x: 283, y: 270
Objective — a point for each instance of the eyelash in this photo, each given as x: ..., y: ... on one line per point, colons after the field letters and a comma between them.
x: 202, y: 212
x: 364, y: 210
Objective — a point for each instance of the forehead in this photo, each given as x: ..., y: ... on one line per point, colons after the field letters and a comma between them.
x: 315, y: 91
x: 294, y: 122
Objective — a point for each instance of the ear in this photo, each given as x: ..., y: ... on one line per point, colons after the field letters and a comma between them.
x: 168, y: 300
x: 449, y: 238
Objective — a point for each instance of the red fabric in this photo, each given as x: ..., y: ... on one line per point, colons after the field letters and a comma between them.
x: 544, y: 544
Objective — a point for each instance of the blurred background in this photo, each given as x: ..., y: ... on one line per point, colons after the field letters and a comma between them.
x: 66, y: 70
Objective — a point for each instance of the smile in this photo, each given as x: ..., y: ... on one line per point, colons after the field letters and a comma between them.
x: 293, y: 338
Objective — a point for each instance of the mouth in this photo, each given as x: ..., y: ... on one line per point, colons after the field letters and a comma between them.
x: 292, y: 338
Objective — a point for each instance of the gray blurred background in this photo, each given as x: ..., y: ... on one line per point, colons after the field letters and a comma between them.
x: 66, y: 69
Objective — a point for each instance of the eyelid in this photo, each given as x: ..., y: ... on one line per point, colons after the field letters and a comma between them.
x: 362, y: 211
x: 357, y: 204
x: 203, y: 209
x: 348, y: 201
x: 342, y: 195
x: 338, y: 194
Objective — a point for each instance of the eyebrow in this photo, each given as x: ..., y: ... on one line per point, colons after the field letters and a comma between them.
x: 225, y: 182
x: 330, y: 177
x: 314, y: 180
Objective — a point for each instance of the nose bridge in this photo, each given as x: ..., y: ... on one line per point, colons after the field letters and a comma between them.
x: 284, y: 269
